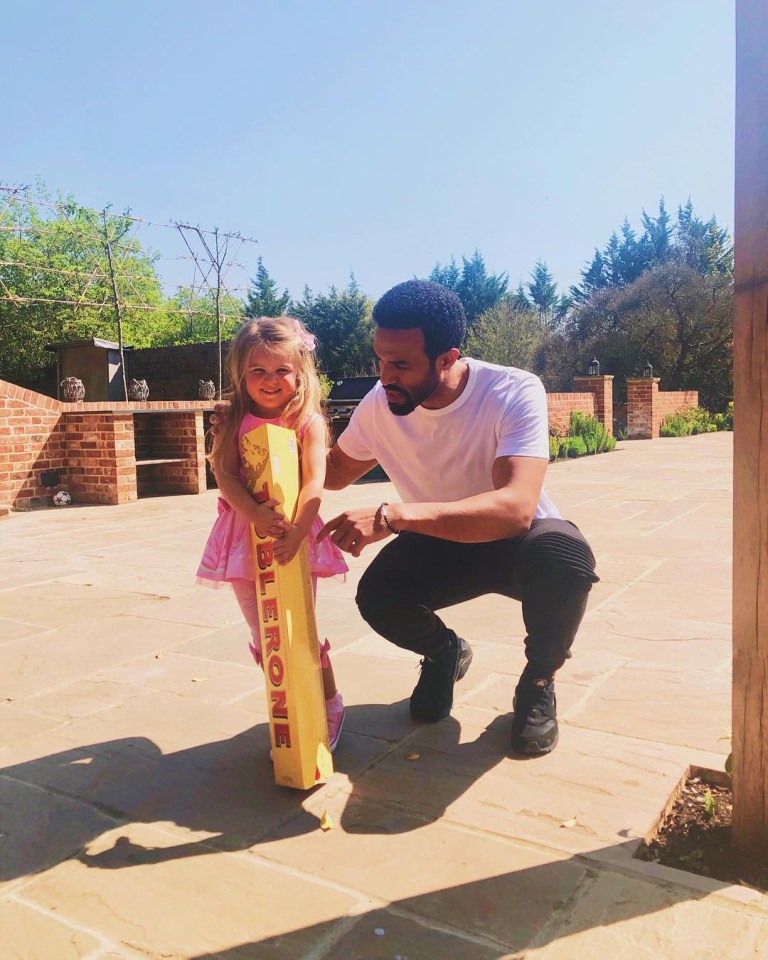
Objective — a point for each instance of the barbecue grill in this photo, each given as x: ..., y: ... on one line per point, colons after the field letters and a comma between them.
x: 346, y: 393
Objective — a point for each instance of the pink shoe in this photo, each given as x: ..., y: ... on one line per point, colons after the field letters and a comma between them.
x: 334, y: 712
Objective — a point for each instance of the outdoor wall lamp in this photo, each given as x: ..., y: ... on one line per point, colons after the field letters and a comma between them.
x: 593, y: 369
x: 648, y: 370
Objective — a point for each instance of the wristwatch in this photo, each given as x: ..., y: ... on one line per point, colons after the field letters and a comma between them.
x: 385, y: 518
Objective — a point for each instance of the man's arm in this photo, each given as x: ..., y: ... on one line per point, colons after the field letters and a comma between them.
x: 506, y: 511
x: 341, y: 470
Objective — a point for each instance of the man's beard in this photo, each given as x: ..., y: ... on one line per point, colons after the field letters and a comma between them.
x: 411, y: 400
x: 401, y: 409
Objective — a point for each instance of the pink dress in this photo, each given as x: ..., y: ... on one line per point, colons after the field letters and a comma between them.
x: 228, y: 554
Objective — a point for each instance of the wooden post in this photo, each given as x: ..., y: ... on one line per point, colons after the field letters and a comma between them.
x: 750, y: 383
x: 116, y: 304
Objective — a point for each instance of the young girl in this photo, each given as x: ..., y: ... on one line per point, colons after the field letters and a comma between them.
x: 273, y: 379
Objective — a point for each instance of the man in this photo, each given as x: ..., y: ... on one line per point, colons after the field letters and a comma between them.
x: 466, y: 446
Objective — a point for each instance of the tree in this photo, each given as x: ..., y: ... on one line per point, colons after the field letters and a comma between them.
x: 703, y: 245
x: 672, y: 316
x: 542, y: 291
x: 519, y: 300
x: 341, y: 320
x: 55, y: 282
x: 449, y: 275
x: 477, y: 289
x: 191, y: 318
x: 506, y: 335
x: 262, y: 299
x: 658, y: 235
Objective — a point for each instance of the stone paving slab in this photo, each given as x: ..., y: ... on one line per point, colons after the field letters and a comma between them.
x: 139, y: 814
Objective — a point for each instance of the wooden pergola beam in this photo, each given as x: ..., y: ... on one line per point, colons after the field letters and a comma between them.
x: 750, y: 386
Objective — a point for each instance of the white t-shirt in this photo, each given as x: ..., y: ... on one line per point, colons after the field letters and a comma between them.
x: 447, y: 454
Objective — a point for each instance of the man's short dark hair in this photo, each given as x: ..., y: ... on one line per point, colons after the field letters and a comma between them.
x: 436, y: 310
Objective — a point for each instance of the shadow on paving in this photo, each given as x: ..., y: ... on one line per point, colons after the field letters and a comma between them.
x: 489, y: 917
x: 55, y: 806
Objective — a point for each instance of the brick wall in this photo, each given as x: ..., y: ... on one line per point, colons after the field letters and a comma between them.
x: 92, y: 446
x: 561, y: 405
x: 31, y: 440
x: 602, y: 389
x: 647, y: 406
x: 668, y: 402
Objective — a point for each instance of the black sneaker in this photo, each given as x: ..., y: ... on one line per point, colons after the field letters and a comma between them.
x: 534, y: 725
x: 432, y: 697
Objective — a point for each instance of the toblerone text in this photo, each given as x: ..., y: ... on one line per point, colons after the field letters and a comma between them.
x: 297, y: 723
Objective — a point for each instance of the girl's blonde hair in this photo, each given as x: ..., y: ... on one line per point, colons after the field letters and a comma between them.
x: 279, y: 335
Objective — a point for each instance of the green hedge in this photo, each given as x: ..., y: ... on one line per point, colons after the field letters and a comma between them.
x: 586, y: 435
x: 696, y: 420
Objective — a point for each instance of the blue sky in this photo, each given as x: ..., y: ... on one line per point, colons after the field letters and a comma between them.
x: 378, y: 137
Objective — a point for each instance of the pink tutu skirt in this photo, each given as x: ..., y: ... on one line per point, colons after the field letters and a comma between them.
x: 228, y: 554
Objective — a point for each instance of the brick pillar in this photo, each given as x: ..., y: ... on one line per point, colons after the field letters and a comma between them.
x: 101, y: 463
x: 602, y: 388
x: 642, y: 394
x: 125, y: 457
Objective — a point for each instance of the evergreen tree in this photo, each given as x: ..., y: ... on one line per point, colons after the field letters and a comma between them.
x: 519, y: 300
x: 702, y: 245
x: 263, y: 299
x: 542, y: 291
x: 477, y: 289
x: 341, y: 320
x: 658, y: 235
x: 593, y: 278
x: 449, y: 275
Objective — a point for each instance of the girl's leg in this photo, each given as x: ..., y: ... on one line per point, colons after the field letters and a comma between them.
x: 329, y: 681
x: 245, y: 594
x: 334, y: 705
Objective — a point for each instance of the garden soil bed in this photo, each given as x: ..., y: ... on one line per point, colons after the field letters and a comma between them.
x: 694, y: 832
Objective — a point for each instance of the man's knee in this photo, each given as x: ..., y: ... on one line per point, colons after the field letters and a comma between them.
x: 373, y: 601
x: 557, y: 551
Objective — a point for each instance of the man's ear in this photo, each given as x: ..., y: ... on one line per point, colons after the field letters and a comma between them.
x: 447, y: 359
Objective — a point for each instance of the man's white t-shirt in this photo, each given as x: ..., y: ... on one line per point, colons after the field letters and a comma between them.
x: 447, y: 454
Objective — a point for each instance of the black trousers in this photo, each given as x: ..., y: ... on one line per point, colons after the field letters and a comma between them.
x: 550, y: 569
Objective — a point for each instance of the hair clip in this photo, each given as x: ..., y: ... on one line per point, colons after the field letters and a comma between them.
x: 308, y: 340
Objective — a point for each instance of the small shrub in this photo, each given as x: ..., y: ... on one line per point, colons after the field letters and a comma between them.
x: 595, y: 436
x: 554, y: 446
x: 724, y: 421
x: 573, y: 447
x: 686, y: 422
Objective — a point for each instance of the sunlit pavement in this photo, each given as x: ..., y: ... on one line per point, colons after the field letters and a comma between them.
x: 139, y: 814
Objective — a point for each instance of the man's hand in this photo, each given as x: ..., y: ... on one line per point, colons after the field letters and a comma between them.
x: 353, y: 530
x: 286, y: 548
x: 219, y: 416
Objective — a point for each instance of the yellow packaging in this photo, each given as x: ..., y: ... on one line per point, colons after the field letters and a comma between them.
x: 297, y: 723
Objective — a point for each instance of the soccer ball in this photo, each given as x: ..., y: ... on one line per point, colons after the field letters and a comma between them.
x: 62, y: 498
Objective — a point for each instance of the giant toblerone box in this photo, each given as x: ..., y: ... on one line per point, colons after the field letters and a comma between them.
x: 297, y: 724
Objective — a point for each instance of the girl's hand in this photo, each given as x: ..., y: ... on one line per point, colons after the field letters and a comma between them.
x: 269, y: 523
x: 286, y: 548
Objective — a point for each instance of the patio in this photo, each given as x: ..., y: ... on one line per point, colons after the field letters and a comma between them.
x: 139, y: 814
